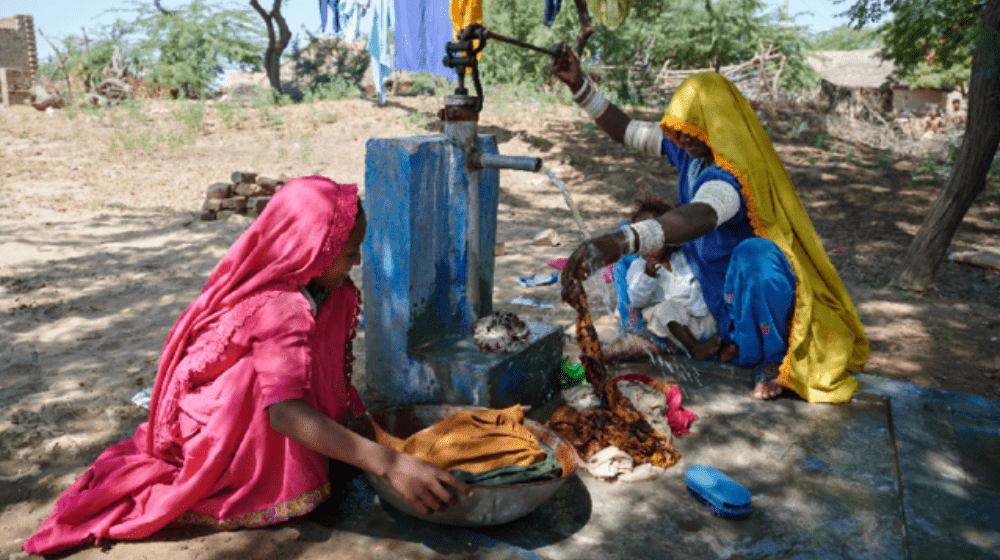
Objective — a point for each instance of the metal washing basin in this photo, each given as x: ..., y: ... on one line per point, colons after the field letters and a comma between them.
x: 489, y: 505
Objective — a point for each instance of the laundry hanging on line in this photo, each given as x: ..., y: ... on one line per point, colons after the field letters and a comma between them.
x: 551, y: 11
x: 422, y: 29
x: 329, y: 5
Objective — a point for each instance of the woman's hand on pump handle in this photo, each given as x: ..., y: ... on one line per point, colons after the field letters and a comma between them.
x: 566, y: 67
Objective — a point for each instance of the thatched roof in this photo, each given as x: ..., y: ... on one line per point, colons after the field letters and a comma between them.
x: 860, y: 68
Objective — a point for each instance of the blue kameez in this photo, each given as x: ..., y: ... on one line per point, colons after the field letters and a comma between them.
x: 747, y: 282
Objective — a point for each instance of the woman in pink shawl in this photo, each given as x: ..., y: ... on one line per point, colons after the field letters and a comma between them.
x: 252, y: 391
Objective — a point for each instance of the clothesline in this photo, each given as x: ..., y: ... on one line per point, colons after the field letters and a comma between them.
x: 420, y: 30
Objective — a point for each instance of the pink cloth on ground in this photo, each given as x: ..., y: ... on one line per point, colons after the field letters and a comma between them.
x: 248, y: 341
x: 678, y: 418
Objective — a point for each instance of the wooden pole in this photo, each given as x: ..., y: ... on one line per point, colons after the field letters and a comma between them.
x: 3, y: 87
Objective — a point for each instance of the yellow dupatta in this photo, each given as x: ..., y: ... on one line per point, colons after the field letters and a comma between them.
x: 827, y: 340
x: 464, y: 12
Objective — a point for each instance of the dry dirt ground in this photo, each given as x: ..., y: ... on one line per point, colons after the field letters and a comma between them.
x: 101, y: 249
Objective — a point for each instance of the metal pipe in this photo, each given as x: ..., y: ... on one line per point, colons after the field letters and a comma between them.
x: 466, y: 135
x: 497, y: 161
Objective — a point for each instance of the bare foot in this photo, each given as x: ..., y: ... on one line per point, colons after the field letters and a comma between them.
x: 766, y: 381
x: 728, y: 353
x: 767, y: 390
x: 702, y: 350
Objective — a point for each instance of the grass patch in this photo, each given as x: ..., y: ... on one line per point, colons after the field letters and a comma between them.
x: 232, y: 114
x: 305, y: 148
x: 190, y: 114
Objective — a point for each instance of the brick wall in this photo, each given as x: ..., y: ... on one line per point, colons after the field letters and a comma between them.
x: 18, y: 50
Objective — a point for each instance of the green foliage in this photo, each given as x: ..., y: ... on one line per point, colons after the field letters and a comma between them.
x: 232, y: 114
x: 883, y: 161
x: 190, y: 114
x: 305, y: 147
x: 187, y: 48
x: 326, y: 59
x: 698, y: 33
x: 84, y: 58
x: 332, y: 89
x: 691, y: 33
x: 134, y: 134
x: 522, y: 19
x: 931, y: 40
x: 845, y: 38
x: 925, y: 75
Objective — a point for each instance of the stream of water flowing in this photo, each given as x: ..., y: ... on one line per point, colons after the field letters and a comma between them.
x: 601, y: 299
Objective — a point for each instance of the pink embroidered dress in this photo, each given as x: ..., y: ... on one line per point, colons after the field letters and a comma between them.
x: 253, y: 338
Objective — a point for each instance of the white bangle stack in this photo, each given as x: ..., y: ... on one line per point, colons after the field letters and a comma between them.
x: 650, y: 234
x: 631, y: 241
x: 644, y: 136
x: 590, y: 99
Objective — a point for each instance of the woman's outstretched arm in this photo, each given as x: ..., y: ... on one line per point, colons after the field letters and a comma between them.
x: 566, y: 68
x: 420, y: 482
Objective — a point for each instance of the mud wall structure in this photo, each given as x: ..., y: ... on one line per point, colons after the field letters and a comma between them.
x: 18, y: 58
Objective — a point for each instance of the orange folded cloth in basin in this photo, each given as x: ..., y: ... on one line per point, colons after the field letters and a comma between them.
x: 477, y: 441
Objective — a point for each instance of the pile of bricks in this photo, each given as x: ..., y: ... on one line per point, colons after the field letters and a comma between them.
x: 247, y: 195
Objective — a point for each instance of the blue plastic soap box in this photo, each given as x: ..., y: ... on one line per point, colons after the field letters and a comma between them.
x: 723, y: 496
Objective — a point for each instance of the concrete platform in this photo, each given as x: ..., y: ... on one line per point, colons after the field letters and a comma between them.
x: 903, y: 472
x: 461, y: 373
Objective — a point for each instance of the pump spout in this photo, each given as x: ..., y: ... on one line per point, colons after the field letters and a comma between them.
x: 497, y: 161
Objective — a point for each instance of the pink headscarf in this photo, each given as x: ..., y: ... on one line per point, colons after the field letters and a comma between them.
x: 296, y: 238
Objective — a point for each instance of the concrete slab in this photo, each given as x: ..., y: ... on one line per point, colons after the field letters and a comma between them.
x: 901, y: 472
x: 464, y: 374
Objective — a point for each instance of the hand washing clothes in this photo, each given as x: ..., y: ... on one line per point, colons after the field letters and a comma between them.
x: 207, y: 455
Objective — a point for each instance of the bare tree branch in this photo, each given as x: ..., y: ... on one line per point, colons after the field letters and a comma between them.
x: 275, y: 45
x: 62, y: 63
x: 163, y: 10
x: 586, y: 28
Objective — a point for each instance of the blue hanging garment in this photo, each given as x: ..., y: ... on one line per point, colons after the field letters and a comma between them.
x: 353, y: 19
x: 551, y: 11
x: 422, y: 27
x: 378, y: 45
x: 331, y: 5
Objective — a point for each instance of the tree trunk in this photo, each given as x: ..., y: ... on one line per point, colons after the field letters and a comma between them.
x: 275, y: 44
x: 968, y: 174
x: 586, y: 29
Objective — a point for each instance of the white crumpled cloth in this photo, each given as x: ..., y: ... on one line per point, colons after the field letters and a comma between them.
x: 614, y: 464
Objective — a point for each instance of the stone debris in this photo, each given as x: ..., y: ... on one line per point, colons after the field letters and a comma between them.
x: 220, y: 190
x: 247, y: 195
x: 547, y: 237
x: 243, y: 177
x: 250, y: 189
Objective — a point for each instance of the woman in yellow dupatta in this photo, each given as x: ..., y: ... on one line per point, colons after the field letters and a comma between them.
x: 796, y: 326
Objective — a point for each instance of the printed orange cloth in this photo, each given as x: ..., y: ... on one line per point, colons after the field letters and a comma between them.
x: 477, y: 441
